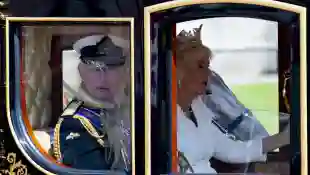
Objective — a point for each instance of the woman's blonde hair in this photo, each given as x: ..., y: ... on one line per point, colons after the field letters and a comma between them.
x: 188, y: 41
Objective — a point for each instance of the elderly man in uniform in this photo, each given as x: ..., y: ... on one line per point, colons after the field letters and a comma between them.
x: 94, y: 130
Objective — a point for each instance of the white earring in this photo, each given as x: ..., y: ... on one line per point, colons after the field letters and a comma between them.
x: 179, y: 83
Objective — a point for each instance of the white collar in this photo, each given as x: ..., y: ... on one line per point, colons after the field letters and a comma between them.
x: 199, y: 109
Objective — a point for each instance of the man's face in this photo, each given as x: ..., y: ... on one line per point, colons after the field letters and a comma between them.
x: 102, y: 84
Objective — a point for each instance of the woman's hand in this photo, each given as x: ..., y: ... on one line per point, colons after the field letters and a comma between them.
x: 277, y: 141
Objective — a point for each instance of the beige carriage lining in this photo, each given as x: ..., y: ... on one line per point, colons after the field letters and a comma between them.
x: 37, y: 75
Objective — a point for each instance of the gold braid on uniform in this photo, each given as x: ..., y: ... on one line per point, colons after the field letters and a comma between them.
x: 56, y: 144
x: 90, y: 128
x: 69, y: 111
x: 93, y: 132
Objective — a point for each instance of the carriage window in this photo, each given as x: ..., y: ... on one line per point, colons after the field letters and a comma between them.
x: 232, y: 64
x: 75, y: 93
x: 244, y: 61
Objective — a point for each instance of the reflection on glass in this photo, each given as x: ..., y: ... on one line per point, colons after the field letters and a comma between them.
x: 84, y: 105
x: 219, y: 112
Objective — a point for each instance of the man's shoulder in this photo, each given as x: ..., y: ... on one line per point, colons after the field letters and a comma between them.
x: 70, y: 119
x: 69, y: 122
x: 71, y: 128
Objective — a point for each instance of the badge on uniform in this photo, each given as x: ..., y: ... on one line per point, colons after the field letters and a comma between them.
x: 72, y: 136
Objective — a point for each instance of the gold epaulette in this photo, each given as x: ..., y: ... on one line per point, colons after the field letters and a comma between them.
x: 90, y: 129
x: 70, y: 110
x: 93, y: 132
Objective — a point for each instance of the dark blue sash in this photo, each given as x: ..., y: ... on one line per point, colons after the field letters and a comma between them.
x: 90, y: 114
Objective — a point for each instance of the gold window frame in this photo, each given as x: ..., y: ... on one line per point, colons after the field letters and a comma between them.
x: 8, y: 98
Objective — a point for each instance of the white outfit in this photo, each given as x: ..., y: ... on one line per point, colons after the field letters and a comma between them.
x: 199, y: 144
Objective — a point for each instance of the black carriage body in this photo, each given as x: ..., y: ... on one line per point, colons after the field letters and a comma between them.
x: 162, y: 30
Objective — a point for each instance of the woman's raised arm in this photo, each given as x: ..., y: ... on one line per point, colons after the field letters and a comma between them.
x: 231, y: 151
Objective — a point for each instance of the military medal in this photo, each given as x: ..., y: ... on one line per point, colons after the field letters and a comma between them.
x: 72, y: 136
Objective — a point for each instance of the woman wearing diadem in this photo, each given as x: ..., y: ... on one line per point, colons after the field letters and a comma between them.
x: 94, y: 129
x: 198, y: 138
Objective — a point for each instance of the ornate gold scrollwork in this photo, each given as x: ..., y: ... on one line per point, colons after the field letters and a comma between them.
x: 2, y: 149
x: 14, y: 168
x: 3, y: 5
x: 287, y: 77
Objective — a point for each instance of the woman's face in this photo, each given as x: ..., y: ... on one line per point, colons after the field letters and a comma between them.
x: 194, y: 71
x: 103, y: 84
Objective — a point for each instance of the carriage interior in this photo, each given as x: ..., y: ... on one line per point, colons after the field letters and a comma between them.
x: 286, y: 58
x: 45, y: 68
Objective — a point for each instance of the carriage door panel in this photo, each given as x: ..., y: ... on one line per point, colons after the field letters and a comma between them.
x: 170, y: 15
